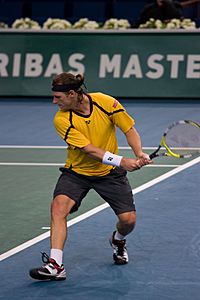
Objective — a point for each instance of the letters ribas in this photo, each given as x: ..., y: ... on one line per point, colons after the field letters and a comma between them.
x: 153, y: 66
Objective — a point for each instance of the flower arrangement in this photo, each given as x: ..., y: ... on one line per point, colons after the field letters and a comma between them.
x: 3, y: 25
x: 84, y: 23
x: 171, y: 24
x: 187, y: 24
x: 116, y: 24
x: 56, y: 24
x: 25, y: 23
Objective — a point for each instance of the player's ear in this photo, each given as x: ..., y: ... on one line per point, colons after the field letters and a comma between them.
x: 71, y: 93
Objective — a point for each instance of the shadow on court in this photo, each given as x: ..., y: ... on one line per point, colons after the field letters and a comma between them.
x: 164, y: 252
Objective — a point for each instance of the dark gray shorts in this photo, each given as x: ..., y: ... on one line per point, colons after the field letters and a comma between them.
x: 114, y: 188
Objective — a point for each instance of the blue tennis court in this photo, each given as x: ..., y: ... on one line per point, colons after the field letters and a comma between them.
x: 164, y: 249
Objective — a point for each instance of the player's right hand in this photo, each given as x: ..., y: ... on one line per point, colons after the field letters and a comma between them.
x: 133, y: 164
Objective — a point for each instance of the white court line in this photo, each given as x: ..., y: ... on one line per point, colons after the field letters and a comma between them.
x: 31, y: 147
x: 30, y: 164
x: 57, y: 147
x: 99, y: 208
x: 61, y: 165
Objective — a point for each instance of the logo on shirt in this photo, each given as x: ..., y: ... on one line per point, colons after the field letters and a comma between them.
x: 88, y: 121
x: 115, y: 103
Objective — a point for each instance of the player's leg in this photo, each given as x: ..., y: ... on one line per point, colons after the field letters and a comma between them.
x: 124, y: 226
x: 116, y: 190
x: 126, y: 222
x: 60, y: 208
x: 68, y: 194
x: 53, y: 268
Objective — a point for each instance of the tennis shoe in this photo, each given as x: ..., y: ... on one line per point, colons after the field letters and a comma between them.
x: 49, y: 271
x: 120, y: 254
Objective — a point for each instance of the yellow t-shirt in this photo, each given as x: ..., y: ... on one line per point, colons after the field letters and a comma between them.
x: 98, y: 129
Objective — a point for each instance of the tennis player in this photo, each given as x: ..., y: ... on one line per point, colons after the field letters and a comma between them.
x: 87, y: 123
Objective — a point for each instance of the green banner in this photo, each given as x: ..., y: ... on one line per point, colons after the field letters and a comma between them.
x: 129, y: 63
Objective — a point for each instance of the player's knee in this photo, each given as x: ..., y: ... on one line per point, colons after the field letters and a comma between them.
x: 129, y: 220
x: 61, y: 206
x: 56, y: 209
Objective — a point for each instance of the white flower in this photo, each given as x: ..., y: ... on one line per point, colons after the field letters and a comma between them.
x: 188, y: 24
x: 123, y: 23
x: 56, y: 24
x: 176, y: 22
x: 158, y: 24
x: 91, y: 25
x: 116, y: 24
x: 172, y: 24
x: 80, y: 23
x: 25, y: 24
x: 84, y: 23
x: 151, y: 23
x: 110, y: 24
x: 3, y: 25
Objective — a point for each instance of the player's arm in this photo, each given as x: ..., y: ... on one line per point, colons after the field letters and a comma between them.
x: 108, y: 158
x: 125, y: 122
x: 94, y: 152
x: 134, y: 141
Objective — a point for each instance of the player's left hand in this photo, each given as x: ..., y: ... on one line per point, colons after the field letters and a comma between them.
x: 145, y: 158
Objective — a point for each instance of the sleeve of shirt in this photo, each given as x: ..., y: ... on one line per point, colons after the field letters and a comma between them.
x: 69, y: 134
x: 123, y: 121
x: 120, y: 117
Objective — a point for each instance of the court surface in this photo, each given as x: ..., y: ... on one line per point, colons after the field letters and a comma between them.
x: 164, y: 249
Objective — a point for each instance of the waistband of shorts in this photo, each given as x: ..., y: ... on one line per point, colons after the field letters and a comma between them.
x: 68, y: 170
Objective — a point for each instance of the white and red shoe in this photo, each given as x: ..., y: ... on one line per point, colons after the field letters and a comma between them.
x: 49, y: 271
x: 120, y: 254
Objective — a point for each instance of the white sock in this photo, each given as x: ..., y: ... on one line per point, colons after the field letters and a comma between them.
x: 57, y: 255
x: 118, y: 236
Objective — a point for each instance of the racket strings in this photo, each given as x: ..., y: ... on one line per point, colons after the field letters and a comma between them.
x: 183, y: 139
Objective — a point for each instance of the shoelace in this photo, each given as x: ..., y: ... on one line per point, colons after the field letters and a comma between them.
x: 46, y: 260
x: 120, y: 248
x: 45, y: 257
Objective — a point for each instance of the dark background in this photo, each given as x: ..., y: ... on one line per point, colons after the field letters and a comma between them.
x: 98, y: 10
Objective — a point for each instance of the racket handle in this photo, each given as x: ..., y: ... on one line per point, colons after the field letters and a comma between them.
x: 153, y: 155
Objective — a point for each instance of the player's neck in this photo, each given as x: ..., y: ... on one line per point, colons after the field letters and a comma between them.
x: 83, y: 105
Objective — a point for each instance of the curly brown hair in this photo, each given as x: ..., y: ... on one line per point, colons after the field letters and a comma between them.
x: 69, y: 79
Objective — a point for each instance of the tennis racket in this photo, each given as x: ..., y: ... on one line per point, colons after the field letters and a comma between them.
x: 181, y: 140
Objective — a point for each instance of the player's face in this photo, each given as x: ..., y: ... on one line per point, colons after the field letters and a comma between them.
x: 65, y: 101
